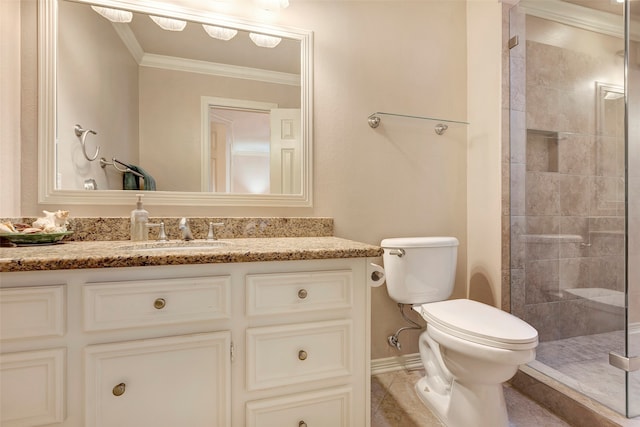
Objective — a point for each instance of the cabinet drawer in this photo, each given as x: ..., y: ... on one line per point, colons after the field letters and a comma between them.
x: 293, y: 292
x: 163, y: 382
x: 32, y: 388
x: 325, y: 408
x: 32, y: 312
x: 116, y: 305
x: 292, y: 354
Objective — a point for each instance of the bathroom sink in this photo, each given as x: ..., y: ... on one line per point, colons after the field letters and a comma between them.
x: 178, y: 245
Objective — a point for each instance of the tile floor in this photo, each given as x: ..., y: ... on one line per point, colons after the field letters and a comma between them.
x: 582, y: 363
x: 395, y: 404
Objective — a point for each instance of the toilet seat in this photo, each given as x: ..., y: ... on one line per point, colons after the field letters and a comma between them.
x: 480, y: 323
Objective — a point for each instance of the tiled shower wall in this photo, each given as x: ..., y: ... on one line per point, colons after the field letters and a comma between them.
x: 567, y: 190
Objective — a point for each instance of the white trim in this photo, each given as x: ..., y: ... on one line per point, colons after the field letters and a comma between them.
x: 217, y: 69
x: 634, y: 328
x: 579, y: 16
x: 390, y: 364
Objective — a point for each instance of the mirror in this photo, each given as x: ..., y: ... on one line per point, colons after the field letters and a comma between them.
x: 201, y: 121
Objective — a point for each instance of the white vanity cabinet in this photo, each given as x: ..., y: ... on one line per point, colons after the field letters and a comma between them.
x: 273, y: 343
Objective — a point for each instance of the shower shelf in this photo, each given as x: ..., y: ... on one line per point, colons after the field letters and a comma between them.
x: 552, y: 238
x: 441, y: 126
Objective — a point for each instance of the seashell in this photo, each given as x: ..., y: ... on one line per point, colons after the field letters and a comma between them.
x: 54, y: 221
x: 7, y: 227
x: 32, y: 230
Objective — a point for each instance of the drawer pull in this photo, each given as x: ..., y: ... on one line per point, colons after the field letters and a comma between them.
x: 302, y: 355
x: 302, y: 293
x: 302, y: 424
x: 159, y: 303
x: 119, y: 389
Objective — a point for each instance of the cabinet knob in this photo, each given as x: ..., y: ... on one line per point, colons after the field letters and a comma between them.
x: 159, y: 303
x: 302, y: 355
x: 302, y: 293
x: 302, y: 424
x: 119, y: 389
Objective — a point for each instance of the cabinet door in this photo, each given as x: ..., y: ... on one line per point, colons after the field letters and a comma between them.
x: 32, y: 387
x: 175, y: 381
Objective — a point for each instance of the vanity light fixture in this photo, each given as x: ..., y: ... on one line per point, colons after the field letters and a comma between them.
x: 220, y: 33
x: 114, y: 15
x: 264, y: 40
x: 169, y: 24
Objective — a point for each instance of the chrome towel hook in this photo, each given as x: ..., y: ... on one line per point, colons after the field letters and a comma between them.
x: 82, y: 134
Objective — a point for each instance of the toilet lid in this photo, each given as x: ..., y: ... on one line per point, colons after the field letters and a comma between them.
x: 480, y: 323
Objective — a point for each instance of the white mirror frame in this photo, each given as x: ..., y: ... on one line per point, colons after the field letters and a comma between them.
x: 47, y: 55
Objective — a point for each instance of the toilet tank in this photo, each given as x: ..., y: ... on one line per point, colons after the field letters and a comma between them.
x: 420, y: 269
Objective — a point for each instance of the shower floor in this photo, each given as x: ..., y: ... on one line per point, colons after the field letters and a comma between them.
x: 582, y: 363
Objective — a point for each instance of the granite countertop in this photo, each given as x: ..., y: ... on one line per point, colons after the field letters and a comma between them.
x: 123, y: 253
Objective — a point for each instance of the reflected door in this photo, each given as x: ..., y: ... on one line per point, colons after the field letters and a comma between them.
x: 285, y: 165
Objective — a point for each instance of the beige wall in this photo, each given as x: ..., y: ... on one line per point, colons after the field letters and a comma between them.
x: 484, y: 151
x: 400, y: 179
x: 9, y: 108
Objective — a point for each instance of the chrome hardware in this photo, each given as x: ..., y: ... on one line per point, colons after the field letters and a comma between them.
x: 440, y: 128
x: 82, y: 134
x: 302, y: 355
x: 119, y: 389
x: 374, y: 120
x: 302, y: 293
x: 629, y: 364
x: 115, y: 162
x: 394, y: 340
x: 302, y: 424
x: 513, y: 42
x: 162, y: 236
x: 212, y: 235
x: 159, y: 303
x: 90, y: 184
x: 399, y: 252
x: 186, y: 231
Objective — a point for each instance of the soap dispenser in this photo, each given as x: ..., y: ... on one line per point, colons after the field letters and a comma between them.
x: 139, y: 220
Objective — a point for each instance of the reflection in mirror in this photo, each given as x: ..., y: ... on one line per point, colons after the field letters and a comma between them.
x: 209, y: 121
x: 250, y: 147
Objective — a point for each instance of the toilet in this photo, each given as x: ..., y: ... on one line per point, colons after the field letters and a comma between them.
x: 468, y: 348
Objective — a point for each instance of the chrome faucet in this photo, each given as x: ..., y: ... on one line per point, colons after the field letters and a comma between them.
x: 186, y: 231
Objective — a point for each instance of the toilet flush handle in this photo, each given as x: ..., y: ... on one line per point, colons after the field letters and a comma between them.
x: 399, y: 252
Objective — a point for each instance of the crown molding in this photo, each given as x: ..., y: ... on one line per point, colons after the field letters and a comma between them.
x: 145, y: 59
x: 217, y: 69
x: 579, y: 16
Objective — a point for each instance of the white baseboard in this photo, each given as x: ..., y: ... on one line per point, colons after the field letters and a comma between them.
x: 388, y: 364
x: 634, y: 328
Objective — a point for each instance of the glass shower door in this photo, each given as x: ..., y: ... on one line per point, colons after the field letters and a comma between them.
x: 632, y: 350
x: 574, y: 213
